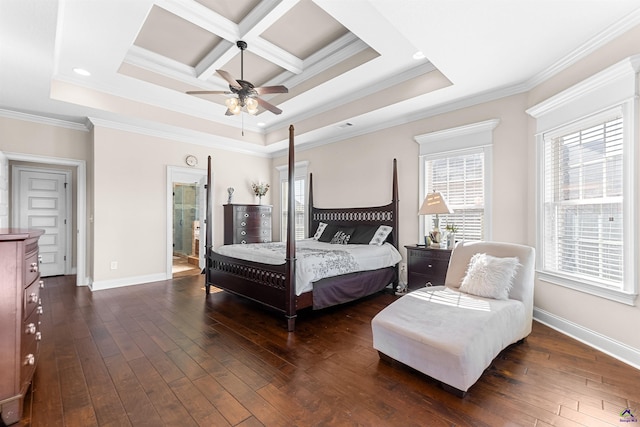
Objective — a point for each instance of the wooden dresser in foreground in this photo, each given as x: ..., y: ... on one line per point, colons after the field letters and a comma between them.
x: 20, y: 315
x: 247, y: 224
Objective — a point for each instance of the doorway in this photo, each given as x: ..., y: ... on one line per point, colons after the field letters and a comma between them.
x: 186, y: 229
x: 41, y: 199
x: 185, y: 221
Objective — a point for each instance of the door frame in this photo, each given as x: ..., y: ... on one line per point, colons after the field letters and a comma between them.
x: 180, y: 174
x: 15, y: 197
x: 81, y: 205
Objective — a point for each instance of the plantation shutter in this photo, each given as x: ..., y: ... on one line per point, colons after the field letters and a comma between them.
x: 583, y: 202
x: 460, y: 179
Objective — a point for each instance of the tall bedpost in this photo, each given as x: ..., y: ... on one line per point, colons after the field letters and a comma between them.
x: 396, y: 219
x: 396, y: 203
x: 310, y: 229
x: 208, y: 243
x: 290, y: 304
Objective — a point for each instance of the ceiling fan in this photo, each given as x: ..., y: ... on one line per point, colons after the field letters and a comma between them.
x: 248, y: 96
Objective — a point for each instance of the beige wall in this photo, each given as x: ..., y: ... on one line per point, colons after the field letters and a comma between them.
x: 130, y: 199
x: 357, y: 172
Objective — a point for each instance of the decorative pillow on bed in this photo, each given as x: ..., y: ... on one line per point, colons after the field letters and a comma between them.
x: 381, y: 235
x: 490, y: 277
x: 363, y: 234
x: 328, y: 233
x: 342, y: 236
x: 319, y: 231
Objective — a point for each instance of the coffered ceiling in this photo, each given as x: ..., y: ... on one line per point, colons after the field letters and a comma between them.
x: 348, y: 64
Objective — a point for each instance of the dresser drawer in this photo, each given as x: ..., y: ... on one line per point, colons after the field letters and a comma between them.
x: 253, y: 235
x: 32, y: 268
x: 30, y: 344
x: 427, y: 266
x: 31, y: 298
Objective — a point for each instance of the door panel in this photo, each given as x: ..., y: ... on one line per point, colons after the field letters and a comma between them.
x: 42, y: 204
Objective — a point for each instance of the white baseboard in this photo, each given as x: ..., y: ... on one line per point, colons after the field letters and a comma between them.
x: 126, y: 281
x: 613, y: 348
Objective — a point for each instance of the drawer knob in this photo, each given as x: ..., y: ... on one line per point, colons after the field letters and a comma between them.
x: 33, y: 297
x: 38, y: 336
x: 243, y: 242
x: 429, y: 265
x: 30, y: 360
x: 243, y: 232
x: 41, y: 284
x: 34, y: 267
x: 246, y: 215
x: 30, y: 329
x: 39, y: 309
x: 243, y: 223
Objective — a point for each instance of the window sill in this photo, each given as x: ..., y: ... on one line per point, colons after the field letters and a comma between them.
x: 588, y: 288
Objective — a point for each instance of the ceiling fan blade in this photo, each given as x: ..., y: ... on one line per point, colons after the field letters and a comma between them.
x: 229, y: 79
x: 271, y: 89
x: 208, y: 92
x: 264, y: 104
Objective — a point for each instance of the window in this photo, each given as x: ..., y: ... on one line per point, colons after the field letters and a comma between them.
x: 461, y: 173
x: 586, y: 222
x: 583, y: 213
x: 300, y: 197
x: 460, y: 179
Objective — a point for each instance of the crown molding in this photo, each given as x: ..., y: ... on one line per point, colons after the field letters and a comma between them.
x: 190, y: 137
x: 593, y: 44
x: 43, y: 120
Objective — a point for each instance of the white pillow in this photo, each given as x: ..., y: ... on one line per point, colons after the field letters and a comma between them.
x: 319, y: 231
x: 490, y: 277
x: 381, y: 235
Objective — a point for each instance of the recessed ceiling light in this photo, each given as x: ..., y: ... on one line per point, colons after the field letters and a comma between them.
x: 262, y: 124
x: 418, y: 55
x: 81, y: 71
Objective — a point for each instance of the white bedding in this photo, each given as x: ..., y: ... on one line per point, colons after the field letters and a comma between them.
x: 317, y: 260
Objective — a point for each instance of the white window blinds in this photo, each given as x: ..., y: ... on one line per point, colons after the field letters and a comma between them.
x: 583, y: 202
x: 299, y: 208
x: 460, y: 179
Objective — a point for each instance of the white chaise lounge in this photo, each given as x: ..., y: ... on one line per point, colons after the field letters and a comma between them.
x: 451, y: 335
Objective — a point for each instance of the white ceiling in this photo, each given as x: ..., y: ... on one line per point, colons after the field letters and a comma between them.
x: 343, y: 61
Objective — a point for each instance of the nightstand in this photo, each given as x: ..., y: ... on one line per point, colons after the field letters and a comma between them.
x: 426, y: 265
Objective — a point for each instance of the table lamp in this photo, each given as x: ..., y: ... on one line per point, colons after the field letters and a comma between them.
x: 434, y: 203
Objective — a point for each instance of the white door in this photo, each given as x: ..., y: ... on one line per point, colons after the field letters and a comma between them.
x: 41, y: 202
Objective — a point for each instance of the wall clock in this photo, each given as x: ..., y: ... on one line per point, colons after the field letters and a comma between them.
x: 191, y: 160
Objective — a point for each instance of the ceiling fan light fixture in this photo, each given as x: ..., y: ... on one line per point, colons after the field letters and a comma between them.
x: 233, y: 105
x: 252, y: 106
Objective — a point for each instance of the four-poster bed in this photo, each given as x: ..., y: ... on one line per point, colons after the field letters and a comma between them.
x: 274, y: 285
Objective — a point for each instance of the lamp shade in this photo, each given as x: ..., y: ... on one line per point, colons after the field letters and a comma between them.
x: 434, y: 203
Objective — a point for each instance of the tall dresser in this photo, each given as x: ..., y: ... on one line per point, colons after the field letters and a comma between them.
x: 247, y: 224
x: 20, y: 316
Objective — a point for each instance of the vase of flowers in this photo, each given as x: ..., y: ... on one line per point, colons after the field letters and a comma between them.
x: 260, y: 189
x: 451, y: 235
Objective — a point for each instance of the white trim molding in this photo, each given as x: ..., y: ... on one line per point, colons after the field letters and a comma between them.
x: 613, y: 348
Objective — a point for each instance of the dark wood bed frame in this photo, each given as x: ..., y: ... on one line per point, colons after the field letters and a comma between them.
x: 274, y: 285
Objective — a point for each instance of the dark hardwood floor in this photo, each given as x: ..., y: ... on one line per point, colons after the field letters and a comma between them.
x: 161, y: 354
